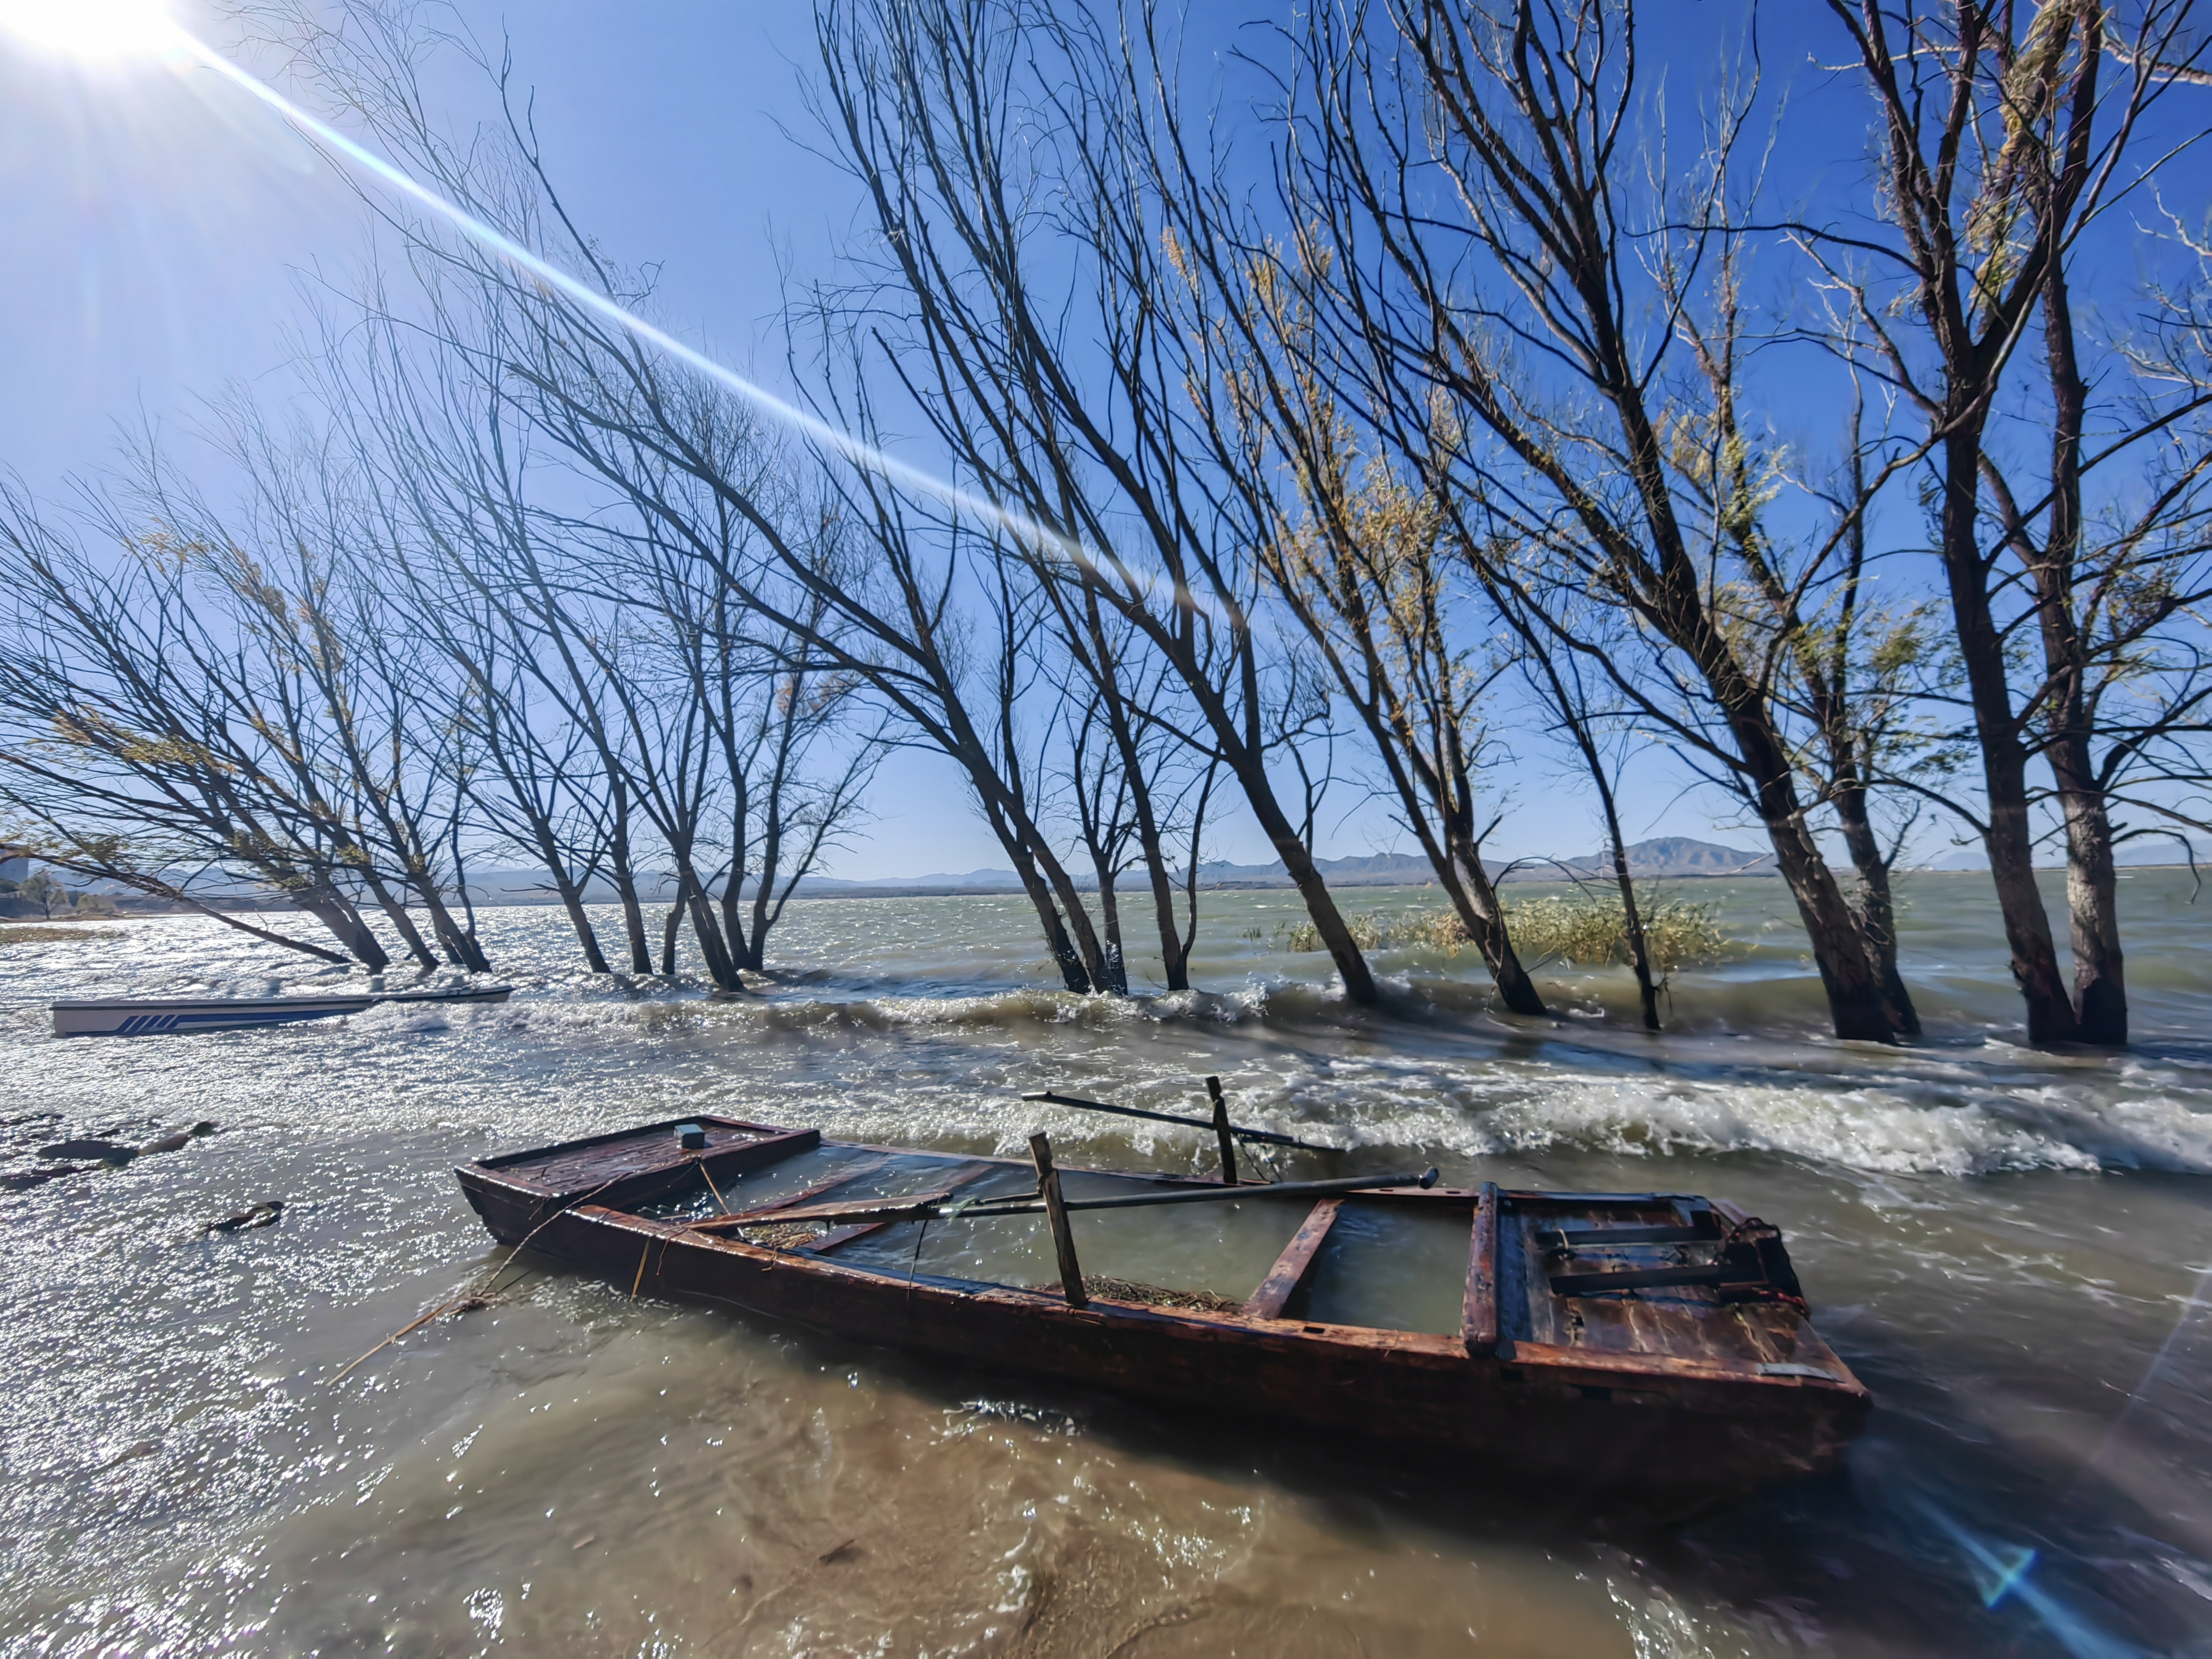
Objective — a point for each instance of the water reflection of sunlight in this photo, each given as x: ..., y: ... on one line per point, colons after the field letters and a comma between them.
x: 90, y: 29
x: 1999, y: 1570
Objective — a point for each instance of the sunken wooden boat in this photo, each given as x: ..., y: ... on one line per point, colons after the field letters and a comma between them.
x: 1607, y: 1344
x: 166, y: 1016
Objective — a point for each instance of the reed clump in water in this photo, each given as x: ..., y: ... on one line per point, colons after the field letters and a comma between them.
x: 1585, y: 931
x: 45, y: 935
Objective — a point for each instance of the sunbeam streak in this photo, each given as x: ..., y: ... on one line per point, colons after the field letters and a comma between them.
x: 113, y: 28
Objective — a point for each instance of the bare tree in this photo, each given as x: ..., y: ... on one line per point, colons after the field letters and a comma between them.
x: 1020, y: 301
x: 1562, y: 682
x: 141, y: 740
x: 2005, y: 135
x: 1512, y: 254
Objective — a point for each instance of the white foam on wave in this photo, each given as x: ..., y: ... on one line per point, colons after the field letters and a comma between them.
x: 1863, y: 1129
x: 1874, y: 1128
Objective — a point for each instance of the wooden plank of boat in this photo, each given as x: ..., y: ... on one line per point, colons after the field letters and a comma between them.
x: 158, y: 1016
x: 1669, y: 1392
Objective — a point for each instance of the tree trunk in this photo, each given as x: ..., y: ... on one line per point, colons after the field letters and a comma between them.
x: 572, y: 901
x: 1856, y: 1003
x: 634, y: 932
x: 1175, y: 965
x: 744, y: 952
x: 1461, y: 873
x: 398, y: 913
x: 2091, y: 890
x: 1876, y: 909
x: 1320, y: 903
x: 1110, y: 913
x: 1175, y: 960
x: 2008, y: 835
x: 1640, y: 952
x: 461, y: 950
x: 668, y: 935
x: 2092, y: 901
x: 347, y: 927
x: 712, y: 945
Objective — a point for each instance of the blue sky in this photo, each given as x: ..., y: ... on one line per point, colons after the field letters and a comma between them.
x: 160, y: 228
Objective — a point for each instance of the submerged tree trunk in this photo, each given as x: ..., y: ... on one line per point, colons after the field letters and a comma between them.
x: 2092, y: 901
x: 347, y: 927
x: 2008, y: 835
x: 459, y: 945
x: 712, y: 945
x: 1175, y: 956
x: 1640, y: 953
x: 1876, y: 908
x: 1461, y: 873
x: 1109, y: 914
x: 396, y: 912
x: 1856, y: 1003
x: 2091, y: 886
x: 572, y: 901
x: 668, y: 935
x: 1297, y: 861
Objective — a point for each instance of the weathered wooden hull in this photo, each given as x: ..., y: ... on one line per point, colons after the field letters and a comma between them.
x: 1683, y: 1432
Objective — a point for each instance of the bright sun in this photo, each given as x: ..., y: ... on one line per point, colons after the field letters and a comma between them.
x: 89, y: 28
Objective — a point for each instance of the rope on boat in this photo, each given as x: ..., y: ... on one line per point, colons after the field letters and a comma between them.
x: 475, y: 1297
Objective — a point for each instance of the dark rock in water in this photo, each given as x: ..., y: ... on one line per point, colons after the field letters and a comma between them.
x: 114, y: 1151
x: 108, y: 1150
x: 20, y: 1180
x: 261, y: 1215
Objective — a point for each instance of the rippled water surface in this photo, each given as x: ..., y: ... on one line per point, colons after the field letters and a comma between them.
x: 2007, y: 1247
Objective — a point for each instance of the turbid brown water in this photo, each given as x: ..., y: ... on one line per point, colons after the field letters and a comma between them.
x: 2007, y: 1247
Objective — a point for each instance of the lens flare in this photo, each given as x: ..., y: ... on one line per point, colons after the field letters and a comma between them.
x: 92, y: 29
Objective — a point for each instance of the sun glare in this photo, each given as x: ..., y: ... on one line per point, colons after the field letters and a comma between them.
x: 89, y: 28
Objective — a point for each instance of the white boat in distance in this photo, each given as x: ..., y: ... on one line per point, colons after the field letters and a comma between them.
x: 155, y: 1015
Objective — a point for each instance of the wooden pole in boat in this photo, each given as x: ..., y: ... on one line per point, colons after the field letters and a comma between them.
x: 1221, y: 1132
x: 1055, y: 1208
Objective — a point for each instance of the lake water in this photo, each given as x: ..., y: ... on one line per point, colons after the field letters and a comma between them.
x: 2009, y: 1248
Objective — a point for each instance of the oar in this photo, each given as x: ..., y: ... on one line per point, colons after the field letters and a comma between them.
x: 936, y: 1207
x: 1266, y: 1135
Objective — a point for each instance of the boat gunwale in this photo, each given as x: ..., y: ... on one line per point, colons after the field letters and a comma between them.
x: 1666, y: 1373
x: 1451, y: 1196
x: 1570, y: 1367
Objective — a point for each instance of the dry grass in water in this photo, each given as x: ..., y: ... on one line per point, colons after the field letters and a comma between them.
x: 1153, y: 1296
x: 1585, y: 931
x: 44, y: 935
x: 784, y: 1235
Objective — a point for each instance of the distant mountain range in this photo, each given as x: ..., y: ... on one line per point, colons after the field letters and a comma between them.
x: 1663, y: 858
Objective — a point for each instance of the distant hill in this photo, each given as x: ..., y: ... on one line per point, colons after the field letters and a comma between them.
x: 1663, y: 858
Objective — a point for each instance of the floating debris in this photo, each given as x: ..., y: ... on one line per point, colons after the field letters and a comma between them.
x: 261, y: 1215
x: 1155, y: 1296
